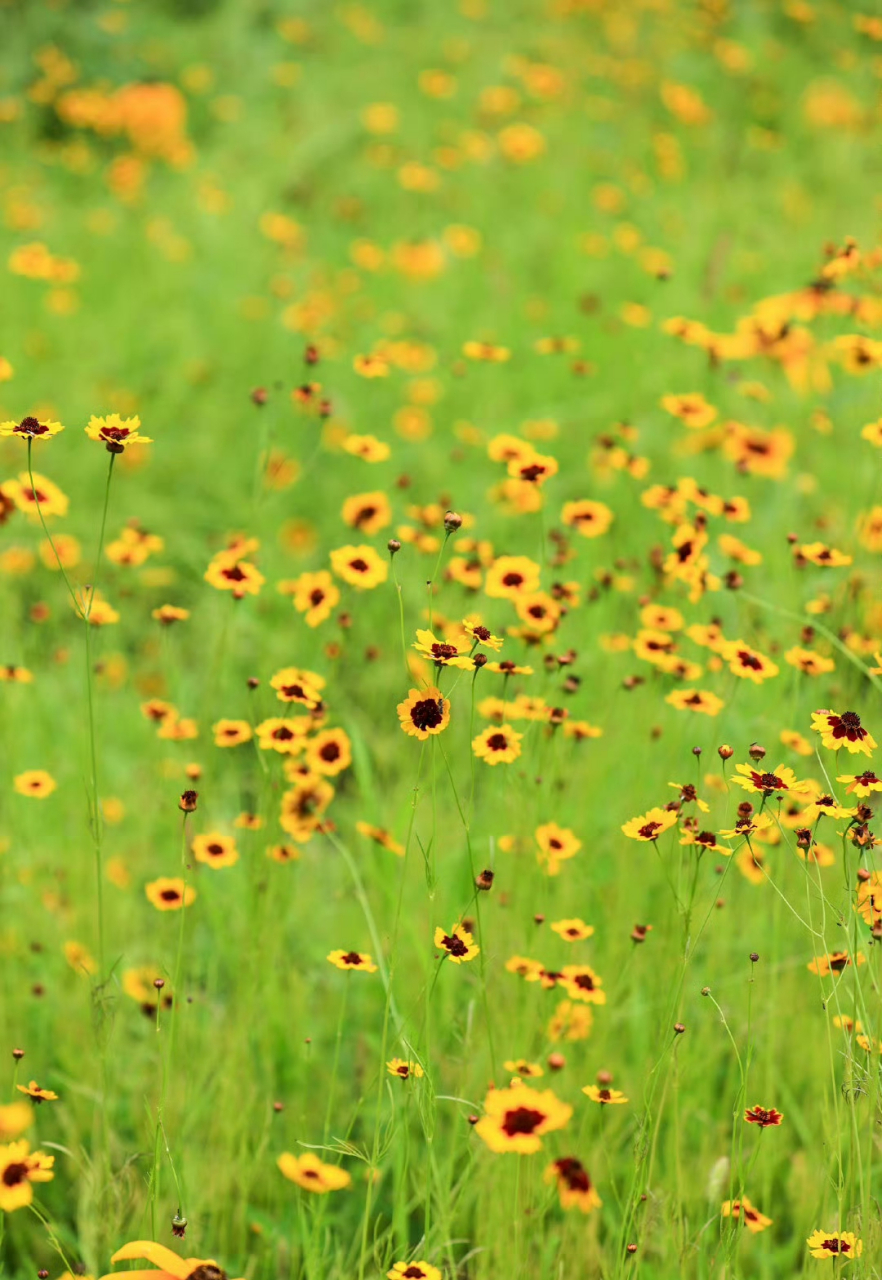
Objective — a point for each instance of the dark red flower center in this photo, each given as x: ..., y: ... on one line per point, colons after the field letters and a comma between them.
x: 427, y: 713
x: 522, y: 1120
x: 15, y: 1174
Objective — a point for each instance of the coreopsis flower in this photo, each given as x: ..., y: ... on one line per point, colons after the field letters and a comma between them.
x: 458, y: 945
x: 508, y: 668
x: 843, y: 730
x: 650, y: 825
x: 765, y: 1117
x: 834, y: 962
x: 500, y: 744
x: 606, y: 1097
x: 581, y: 983
x: 510, y: 577
x: 329, y: 752
x: 570, y: 1021
x: 16, y: 675
x: 293, y: 684
x: 482, y: 635
x: 169, y: 893
x: 282, y: 734
x: 403, y: 1069
x: 747, y: 1213
x: 441, y: 652
x: 766, y: 783
x: 574, y: 1186
x: 424, y: 712
x: 215, y: 850
x: 229, y: 572
x: 700, y: 700
x: 231, y: 733
x: 115, y: 432
x: 370, y: 366
x: 169, y: 1265
x: 283, y: 853
x: 574, y: 930
x: 822, y: 806
x: 30, y: 429
x: 368, y: 448
x: 516, y: 1119
x: 692, y: 409
x: 809, y: 662
x: 349, y: 960
x: 556, y: 845
x: 36, y: 1094
x: 523, y: 1068
x: 748, y: 663
x: 367, y: 512
x: 706, y: 841
x: 832, y: 1244
x: 485, y: 351
x: 20, y: 1168
x: 315, y: 595
x: 749, y: 825
x: 360, y: 566
x: 819, y: 554
x: 170, y: 613
x: 36, y: 783
x: 421, y: 1270
x: 43, y: 498
x: 380, y: 836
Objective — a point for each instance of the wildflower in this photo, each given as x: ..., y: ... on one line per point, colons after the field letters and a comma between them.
x: 747, y: 1213
x: 819, y: 554
x: 748, y: 663
x: 581, y: 983
x: 605, y: 1096
x: 30, y: 429
x: 765, y: 784
x: 570, y: 1022
x: 360, y: 566
x: 650, y: 825
x: 575, y: 930
x: 526, y: 1070
x: 861, y: 784
x: 352, y: 960
x: 329, y: 752
x: 482, y: 636
x: 440, y: 652
x: 37, y: 1095
x: 35, y: 782
x: 498, y: 745
x: 424, y: 712
x: 765, y: 1117
x: 229, y: 572
x: 141, y: 984
x: 19, y: 1168
x: 43, y: 498
x: 574, y: 1186
x: 516, y: 1119
x: 215, y: 850
x: 116, y: 432
x: 556, y: 845
x: 169, y: 893
x: 367, y: 447
x: 404, y: 1069
x: 170, y: 1266
x: 834, y: 962
x: 231, y: 733
x: 284, y: 735
x: 509, y: 577
x: 829, y: 1244
x: 843, y: 731
x: 692, y: 409
x: 413, y: 1271
x: 458, y: 944
x: 700, y: 700
x: 169, y: 613
x: 380, y: 836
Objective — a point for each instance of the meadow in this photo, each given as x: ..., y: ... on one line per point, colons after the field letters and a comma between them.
x: 441, y: 627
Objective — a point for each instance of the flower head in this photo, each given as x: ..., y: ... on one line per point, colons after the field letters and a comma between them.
x: 516, y: 1119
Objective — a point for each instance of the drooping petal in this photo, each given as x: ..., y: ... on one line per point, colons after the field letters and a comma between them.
x: 158, y: 1254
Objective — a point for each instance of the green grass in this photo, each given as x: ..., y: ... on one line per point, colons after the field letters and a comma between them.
x: 183, y: 306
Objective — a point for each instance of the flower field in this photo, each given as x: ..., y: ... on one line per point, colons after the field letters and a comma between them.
x: 441, y: 616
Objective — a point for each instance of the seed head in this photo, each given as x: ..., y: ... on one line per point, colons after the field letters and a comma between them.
x: 452, y: 521
x: 756, y: 752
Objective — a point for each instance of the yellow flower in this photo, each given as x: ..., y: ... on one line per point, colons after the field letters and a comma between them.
x: 516, y: 1119
x: 36, y: 783
x: 19, y: 1168
x: 310, y: 1173
x: 116, y: 432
